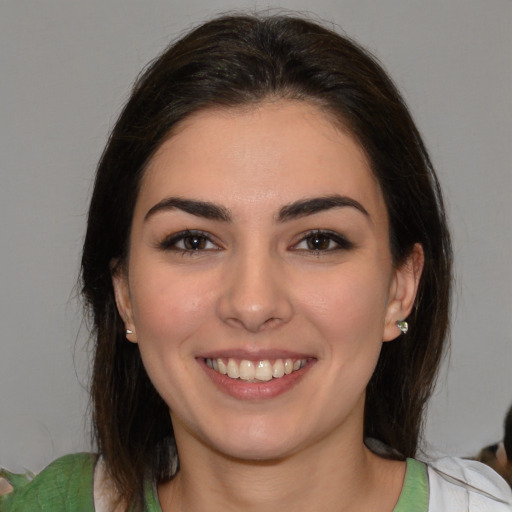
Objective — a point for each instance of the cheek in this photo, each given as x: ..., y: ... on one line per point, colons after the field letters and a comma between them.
x: 168, y: 311
x: 348, y: 302
x: 168, y: 308
x: 349, y: 315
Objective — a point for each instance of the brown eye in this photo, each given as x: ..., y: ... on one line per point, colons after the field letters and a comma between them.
x: 318, y: 242
x: 188, y: 242
x: 322, y: 241
x: 194, y: 243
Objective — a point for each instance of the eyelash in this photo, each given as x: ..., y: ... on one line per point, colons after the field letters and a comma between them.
x: 342, y: 244
x: 172, y: 242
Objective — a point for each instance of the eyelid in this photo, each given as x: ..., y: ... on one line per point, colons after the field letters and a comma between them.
x: 342, y: 242
x: 169, y: 242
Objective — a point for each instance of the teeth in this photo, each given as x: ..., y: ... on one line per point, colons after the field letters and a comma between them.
x: 262, y: 371
x: 222, y: 367
x: 247, y: 370
x: 233, y: 370
x: 278, y: 369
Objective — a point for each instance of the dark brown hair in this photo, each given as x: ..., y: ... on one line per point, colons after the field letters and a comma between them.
x: 238, y: 60
x: 507, y: 436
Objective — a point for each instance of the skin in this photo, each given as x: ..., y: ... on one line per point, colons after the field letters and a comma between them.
x: 255, y: 285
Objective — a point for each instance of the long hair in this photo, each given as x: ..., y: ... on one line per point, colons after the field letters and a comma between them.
x: 239, y: 60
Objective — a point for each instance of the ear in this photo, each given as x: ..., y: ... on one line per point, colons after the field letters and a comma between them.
x: 403, y: 289
x: 122, y: 295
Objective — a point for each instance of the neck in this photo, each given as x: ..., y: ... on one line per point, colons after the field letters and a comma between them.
x: 341, y: 479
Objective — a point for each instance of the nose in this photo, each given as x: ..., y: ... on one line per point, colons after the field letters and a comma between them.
x: 255, y: 295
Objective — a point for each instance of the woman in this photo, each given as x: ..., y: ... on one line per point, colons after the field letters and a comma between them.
x: 268, y: 268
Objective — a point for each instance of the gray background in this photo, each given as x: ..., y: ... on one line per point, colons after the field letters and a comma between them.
x: 66, y: 68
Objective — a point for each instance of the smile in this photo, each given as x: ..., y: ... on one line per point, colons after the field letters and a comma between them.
x: 255, y: 371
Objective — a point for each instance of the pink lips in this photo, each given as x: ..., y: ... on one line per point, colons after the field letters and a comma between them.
x: 254, y: 355
x: 246, y: 390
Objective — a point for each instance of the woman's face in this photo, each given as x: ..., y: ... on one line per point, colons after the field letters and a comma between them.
x: 259, y: 247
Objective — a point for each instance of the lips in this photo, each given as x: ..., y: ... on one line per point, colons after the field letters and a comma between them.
x: 255, y: 376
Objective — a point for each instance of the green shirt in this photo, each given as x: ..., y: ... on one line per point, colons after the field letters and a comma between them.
x: 66, y: 485
x: 414, y: 495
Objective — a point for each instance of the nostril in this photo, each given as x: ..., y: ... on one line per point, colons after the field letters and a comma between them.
x: 271, y: 322
x: 253, y: 296
x: 254, y: 324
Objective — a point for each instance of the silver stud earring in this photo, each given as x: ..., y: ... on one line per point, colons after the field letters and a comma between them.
x: 128, y: 331
x: 402, y: 325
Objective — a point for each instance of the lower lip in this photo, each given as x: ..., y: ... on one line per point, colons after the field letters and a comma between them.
x: 245, y: 390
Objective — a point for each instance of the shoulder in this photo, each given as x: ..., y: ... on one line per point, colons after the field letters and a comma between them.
x: 65, y: 485
x: 461, y: 485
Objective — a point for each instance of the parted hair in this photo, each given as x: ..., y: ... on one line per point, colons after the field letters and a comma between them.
x: 234, y: 61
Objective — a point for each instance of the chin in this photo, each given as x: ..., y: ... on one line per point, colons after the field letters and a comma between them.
x: 258, y: 442
x: 258, y: 451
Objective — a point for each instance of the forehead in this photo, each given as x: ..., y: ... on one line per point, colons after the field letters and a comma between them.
x: 273, y: 152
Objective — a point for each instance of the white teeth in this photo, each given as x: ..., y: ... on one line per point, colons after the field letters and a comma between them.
x: 247, y: 370
x: 233, y: 370
x: 222, y: 367
x: 278, y: 369
x: 262, y: 371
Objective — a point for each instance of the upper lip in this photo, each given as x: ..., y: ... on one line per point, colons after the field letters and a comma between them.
x: 254, y: 355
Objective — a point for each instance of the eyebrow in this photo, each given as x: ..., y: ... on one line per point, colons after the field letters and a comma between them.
x: 295, y: 210
x: 203, y: 209
x: 305, y: 207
